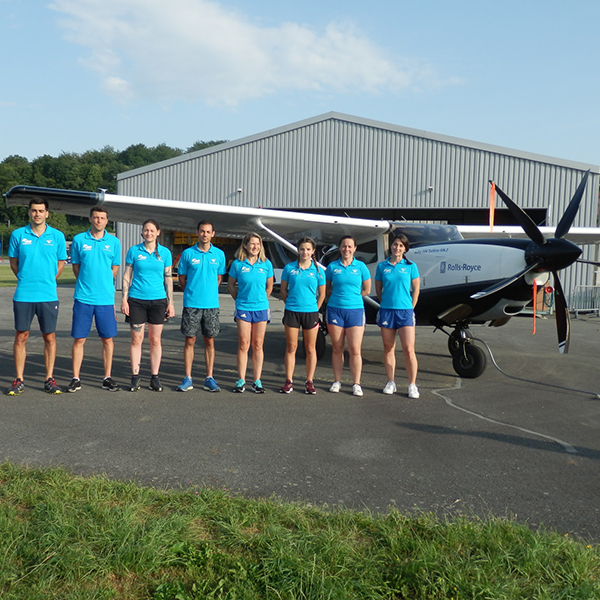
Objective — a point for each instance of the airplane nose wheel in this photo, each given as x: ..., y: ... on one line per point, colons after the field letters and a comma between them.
x: 469, y: 361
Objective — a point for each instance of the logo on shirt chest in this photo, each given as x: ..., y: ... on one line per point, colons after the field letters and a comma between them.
x: 86, y: 248
x: 26, y: 242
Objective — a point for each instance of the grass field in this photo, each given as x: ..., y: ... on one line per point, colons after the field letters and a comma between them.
x: 73, y: 538
x: 7, y: 278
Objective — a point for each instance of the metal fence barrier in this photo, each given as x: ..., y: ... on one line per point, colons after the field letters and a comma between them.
x: 586, y: 298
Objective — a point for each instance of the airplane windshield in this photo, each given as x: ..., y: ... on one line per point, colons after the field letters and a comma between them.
x: 420, y: 234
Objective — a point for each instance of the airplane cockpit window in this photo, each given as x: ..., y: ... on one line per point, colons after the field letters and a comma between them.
x: 420, y: 234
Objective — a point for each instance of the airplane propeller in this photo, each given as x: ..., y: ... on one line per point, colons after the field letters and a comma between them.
x: 543, y: 255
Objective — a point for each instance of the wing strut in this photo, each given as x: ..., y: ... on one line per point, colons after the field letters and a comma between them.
x: 293, y: 248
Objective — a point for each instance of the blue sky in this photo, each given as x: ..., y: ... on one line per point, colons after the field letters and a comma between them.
x: 84, y: 74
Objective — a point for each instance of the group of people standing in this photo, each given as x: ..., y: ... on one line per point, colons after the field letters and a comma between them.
x: 37, y: 255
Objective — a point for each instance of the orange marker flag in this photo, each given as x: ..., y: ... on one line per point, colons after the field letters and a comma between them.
x: 534, y: 303
x: 492, y: 204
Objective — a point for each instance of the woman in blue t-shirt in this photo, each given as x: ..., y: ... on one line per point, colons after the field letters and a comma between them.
x: 250, y: 284
x: 397, y: 285
x: 348, y: 281
x: 303, y: 291
x: 147, y: 298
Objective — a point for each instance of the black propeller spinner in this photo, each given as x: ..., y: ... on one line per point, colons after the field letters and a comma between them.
x: 543, y: 255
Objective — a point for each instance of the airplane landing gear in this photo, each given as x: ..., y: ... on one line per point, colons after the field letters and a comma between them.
x: 469, y: 361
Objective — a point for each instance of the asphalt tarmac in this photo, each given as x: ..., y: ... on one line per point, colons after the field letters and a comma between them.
x: 488, y: 446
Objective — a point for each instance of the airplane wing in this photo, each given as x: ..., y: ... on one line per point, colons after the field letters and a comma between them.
x: 577, y: 235
x: 229, y: 221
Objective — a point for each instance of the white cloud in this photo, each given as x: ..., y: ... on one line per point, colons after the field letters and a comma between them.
x: 195, y: 50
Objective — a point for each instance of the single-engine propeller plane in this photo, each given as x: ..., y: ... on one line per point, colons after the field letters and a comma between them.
x: 463, y: 281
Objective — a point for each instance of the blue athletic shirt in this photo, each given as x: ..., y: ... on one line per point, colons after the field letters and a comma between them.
x: 202, y: 270
x: 346, y: 283
x: 303, y: 286
x: 396, y: 282
x: 96, y: 258
x: 148, y: 280
x: 38, y: 263
x: 252, y: 284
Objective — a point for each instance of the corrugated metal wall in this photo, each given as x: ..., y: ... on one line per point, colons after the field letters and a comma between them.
x: 337, y: 161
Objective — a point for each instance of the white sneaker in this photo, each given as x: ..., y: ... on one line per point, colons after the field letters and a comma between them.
x: 390, y: 388
x: 336, y: 386
x: 357, y: 390
x: 413, y: 391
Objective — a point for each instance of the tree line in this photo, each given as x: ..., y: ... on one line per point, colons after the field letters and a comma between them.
x: 86, y: 172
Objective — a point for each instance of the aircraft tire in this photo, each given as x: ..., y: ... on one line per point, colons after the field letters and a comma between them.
x: 470, y: 362
x: 321, y: 346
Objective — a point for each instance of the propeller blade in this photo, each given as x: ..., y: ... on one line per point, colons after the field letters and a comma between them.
x: 504, y: 283
x: 522, y: 218
x: 588, y: 262
x: 563, y: 325
x: 567, y: 219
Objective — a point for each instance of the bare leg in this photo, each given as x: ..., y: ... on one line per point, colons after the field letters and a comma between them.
x: 310, y: 345
x: 355, y: 336
x: 291, y: 344
x: 49, y: 353
x: 20, y: 352
x: 77, y: 355
x: 258, y: 354
x: 108, y: 348
x: 154, y: 338
x: 389, y: 352
x: 188, y: 355
x: 135, y: 351
x: 244, y: 335
x: 336, y: 334
x: 209, y: 355
x: 407, y: 339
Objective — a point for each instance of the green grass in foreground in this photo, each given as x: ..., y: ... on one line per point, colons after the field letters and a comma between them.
x: 8, y: 279
x: 69, y: 537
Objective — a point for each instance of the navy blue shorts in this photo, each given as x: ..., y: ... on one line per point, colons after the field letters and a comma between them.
x: 396, y: 318
x: 83, y: 314
x: 346, y: 317
x: 46, y: 312
x: 252, y: 316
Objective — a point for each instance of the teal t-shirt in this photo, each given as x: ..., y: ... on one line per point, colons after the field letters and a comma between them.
x: 38, y: 263
x: 346, y: 283
x: 303, y: 285
x: 96, y: 258
x: 148, y: 280
x: 252, y: 284
x: 202, y: 270
x: 396, y: 282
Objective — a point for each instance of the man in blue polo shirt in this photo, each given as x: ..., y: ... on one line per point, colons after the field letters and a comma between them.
x: 201, y: 269
x: 96, y: 256
x: 37, y: 255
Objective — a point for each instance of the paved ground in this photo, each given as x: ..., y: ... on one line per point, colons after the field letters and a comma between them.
x: 493, y: 445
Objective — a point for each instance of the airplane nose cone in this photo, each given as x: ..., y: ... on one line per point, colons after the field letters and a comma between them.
x: 554, y: 254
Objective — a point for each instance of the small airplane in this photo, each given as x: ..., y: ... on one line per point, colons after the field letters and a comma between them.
x: 463, y: 281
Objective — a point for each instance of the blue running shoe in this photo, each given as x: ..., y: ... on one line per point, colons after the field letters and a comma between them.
x: 210, y: 385
x: 185, y: 385
x: 257, y: 387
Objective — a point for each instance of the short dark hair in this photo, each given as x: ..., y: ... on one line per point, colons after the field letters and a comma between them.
x: 38, y: 200
x: 205, y: 222
x: 98, y: 208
